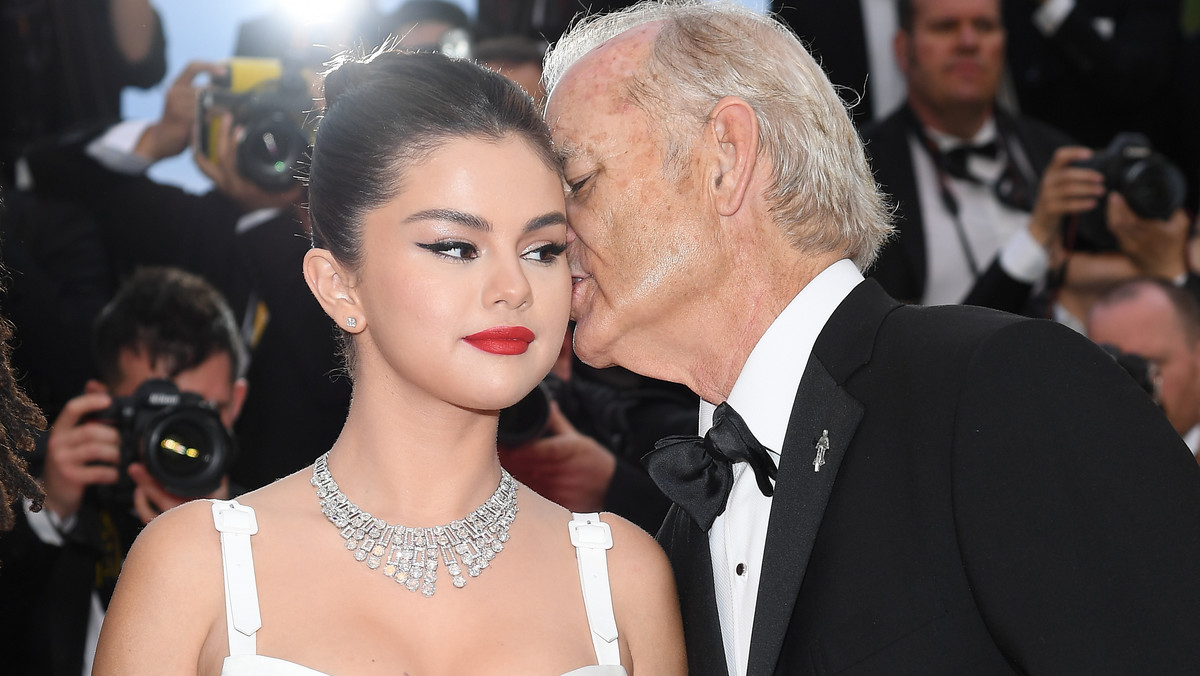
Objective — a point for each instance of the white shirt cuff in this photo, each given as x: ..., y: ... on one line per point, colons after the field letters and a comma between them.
x: 114, y: 148
x: 1051, y: 14
x: 46, y: 524
x: 1023, y: 258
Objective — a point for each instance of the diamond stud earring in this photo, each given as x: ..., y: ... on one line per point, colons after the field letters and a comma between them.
x: 351, y: 322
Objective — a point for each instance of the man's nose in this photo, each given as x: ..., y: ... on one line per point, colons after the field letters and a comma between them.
x: 968, y: 37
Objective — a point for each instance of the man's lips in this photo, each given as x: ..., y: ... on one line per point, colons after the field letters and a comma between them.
x: 502, y: 340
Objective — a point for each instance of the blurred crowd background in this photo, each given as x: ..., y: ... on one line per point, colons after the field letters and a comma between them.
x: 1042, y: 156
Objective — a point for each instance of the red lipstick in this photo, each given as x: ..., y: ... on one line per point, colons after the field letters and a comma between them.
x: 502, y: 340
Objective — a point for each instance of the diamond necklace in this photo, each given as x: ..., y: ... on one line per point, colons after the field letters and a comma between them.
x: 410, y: 555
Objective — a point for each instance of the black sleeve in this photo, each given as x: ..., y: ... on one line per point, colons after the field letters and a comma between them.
x: 1078, y: 510
x: 143, y: 222
x: 1136, y: 60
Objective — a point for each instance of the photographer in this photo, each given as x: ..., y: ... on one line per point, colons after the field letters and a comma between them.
x: 59, y: 565
x: 246, y: 239
x: 982, y: 195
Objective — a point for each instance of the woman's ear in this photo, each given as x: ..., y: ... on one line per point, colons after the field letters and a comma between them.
x: 733, y: 129
x: 333, y: 287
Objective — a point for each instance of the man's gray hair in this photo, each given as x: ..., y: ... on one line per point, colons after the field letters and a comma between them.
x: 822, y: 191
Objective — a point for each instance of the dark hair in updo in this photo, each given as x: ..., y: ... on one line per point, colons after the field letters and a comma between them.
x: 383, y: 116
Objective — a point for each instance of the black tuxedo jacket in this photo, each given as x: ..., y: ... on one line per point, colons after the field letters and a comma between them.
x: 901, y: 267
x: 998, y: 498
x: 1093, y: 85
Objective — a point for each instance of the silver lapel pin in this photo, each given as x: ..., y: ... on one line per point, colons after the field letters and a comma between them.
x: 822, y: 447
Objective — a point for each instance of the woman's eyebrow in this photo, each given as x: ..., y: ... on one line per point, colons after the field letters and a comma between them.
x: 453, y: 216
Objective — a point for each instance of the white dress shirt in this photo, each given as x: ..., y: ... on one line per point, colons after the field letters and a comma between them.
x: 763, y: 395
x: 991, y: 227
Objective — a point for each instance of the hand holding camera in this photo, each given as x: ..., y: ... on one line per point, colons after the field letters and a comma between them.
x: 151, y: 451
x: 220, y: 166
x: 79, y: 455
x: 1154, y: 245
x: 174, y: 131
x: 252, y: 126
x: 1149, y: 184
x: 1067, y: 189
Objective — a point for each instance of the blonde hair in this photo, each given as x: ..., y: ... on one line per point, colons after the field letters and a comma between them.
x: 822, y: 192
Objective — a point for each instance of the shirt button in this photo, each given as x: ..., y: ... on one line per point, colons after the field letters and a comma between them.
x: 741, y: 569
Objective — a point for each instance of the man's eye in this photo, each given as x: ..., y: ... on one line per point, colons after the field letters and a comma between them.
x: 574, y: 188
x: 546, y: 253
x: 456, y: 250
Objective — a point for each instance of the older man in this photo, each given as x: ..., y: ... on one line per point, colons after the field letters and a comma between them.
x: 907, y: 490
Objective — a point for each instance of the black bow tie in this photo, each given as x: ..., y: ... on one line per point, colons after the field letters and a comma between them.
x: 697, y: 473
x: 954, y: 161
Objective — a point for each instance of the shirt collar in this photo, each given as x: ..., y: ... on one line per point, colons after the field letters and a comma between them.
x: 986, y: 134
x: 765, y: 390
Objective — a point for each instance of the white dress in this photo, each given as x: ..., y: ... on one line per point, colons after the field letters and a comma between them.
x: 237, y: 523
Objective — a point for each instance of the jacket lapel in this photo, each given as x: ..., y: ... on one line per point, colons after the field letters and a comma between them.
x: 823, y: 412
x: 687, y: 548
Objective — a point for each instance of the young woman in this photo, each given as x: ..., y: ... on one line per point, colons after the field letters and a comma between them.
x: 438, y: 228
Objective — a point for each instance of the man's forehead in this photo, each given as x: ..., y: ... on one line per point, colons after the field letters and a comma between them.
x: 608, y: 65
x: 936, y: 10
x: 594, y: 84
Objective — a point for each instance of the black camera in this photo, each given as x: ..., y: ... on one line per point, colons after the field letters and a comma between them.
x: 1151, y: 185
x: 270, y: 101
x: 177, y: 435
x: 527, y: 419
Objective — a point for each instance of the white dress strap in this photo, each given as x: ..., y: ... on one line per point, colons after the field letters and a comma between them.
x: 236, y: 524
x: 592, y: 538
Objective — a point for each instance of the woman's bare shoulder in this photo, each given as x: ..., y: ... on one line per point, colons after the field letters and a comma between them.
x: 644, y: 599
x: 168, y: 596
x: 184, y: 536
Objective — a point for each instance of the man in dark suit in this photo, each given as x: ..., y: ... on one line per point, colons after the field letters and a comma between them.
x: 59, y: 565
x: 980, y: 193
x: 906, y: 490
x: 964, y: 173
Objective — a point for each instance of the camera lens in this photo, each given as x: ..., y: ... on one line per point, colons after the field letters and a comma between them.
x: 270, y: 151
x: 188, y: 450
x: 1153, y: 187
x: 182, y: 449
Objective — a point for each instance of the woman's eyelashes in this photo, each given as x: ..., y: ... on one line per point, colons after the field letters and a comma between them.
x: 546, y: 253
x: 464, y: 251
x: 455, y: 250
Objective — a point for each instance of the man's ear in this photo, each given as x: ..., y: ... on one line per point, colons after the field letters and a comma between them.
x: 332, y: 285
x: 230, y: 415
x: 734, y: 131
